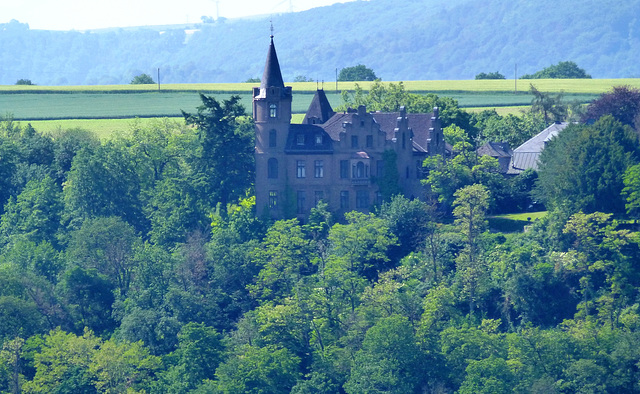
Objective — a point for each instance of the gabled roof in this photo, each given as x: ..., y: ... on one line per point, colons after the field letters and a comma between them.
x: 319, y: 110
x: 494, y: 149
x: 420, y: 124
x: 333, y: 126
x: 272, y: 77
x: 526, y: 155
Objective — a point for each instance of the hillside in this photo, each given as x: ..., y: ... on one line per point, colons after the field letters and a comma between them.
x: 412, y: 40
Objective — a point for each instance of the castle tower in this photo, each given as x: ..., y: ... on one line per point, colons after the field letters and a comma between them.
x: 272, y: 117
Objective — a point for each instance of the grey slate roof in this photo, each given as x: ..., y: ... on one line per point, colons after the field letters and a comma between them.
x: 272, y: 77
x: 419, y: 123
x: 309, y: 145
x: 319, y: 110
x: 494, y: 149
x: 526, y: 155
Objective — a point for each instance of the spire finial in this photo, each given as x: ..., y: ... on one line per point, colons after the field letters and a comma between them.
x: 271, y: 21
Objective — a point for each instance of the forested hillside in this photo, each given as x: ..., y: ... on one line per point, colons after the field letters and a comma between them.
x: 409, y: 40
x: 140, y: 264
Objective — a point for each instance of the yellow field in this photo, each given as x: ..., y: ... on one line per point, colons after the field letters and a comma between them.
x: 103, y: 128
x: 490, y: 85
x: 502, y: 111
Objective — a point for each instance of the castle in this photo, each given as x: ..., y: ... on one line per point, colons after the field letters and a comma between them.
x: 351, y: 160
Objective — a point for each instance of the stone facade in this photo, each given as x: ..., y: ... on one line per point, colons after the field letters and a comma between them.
x: 340, y: 158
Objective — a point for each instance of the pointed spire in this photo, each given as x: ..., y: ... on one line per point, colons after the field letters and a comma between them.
x: 272, y: 76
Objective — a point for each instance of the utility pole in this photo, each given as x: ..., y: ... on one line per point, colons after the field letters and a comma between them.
x: 336, y: 81
x: 158, y: 79
x: 515, y: 79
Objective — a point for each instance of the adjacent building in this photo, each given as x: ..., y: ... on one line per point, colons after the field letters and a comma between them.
x: 526, y: 155
x: 349, y: 160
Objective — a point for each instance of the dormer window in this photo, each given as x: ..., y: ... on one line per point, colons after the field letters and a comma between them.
x: 318, y: 139
x: 273, y: 111
x: 300, y: 139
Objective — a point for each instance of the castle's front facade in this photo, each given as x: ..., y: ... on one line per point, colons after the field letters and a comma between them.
x: 345, y: 159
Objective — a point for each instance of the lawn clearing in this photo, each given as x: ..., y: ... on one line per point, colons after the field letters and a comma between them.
x: 523, y: 216
x: 514, y: 222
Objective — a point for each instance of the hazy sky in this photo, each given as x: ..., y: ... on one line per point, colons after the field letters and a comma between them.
x: 95, y: 14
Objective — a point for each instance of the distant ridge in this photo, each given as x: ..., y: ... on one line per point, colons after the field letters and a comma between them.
x: 409, y: 40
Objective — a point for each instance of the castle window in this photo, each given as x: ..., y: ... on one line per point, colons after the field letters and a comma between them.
x: 362, y: 199
x: 360, y: 170
x: 272, y: 168
x: 302, y: 197
x: 354, y: 141
x: 344, y: 199
x: 273, y: 111
x: 369, y: 141
x: 344, y: 169
x: 273, y: 199
x: 300, y: 139
x: 301, y: 171
x: 318, y: 139
x: 318, y: 168
x: 273, y: 138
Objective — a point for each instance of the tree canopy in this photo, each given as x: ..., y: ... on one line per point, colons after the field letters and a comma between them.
x: 622, y: 102
x: 562, y: 70
x: 357, y: 73
x: 490, y: 75
x: 142, y: 79
x: 582, y: 168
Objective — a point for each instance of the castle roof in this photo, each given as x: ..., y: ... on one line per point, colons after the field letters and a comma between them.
x: 308, y: 138
x: 272, y: 77
x: 319, y: 110
x: 494, y: 149
x: 420, y: 124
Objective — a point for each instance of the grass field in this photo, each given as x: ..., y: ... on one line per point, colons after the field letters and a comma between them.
x: 44, y: 106
x: 109, y: 106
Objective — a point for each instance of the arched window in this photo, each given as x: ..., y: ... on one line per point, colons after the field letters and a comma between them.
x: 359, y: 170
x: 273, y: 138
x: 273, y: 111
x: 272, y: 168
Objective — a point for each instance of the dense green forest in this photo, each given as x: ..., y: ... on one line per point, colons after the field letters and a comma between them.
x: 122, y: 269
x: 408, y: 40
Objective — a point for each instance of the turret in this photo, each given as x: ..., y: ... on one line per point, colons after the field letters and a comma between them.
x: 271, y: 105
